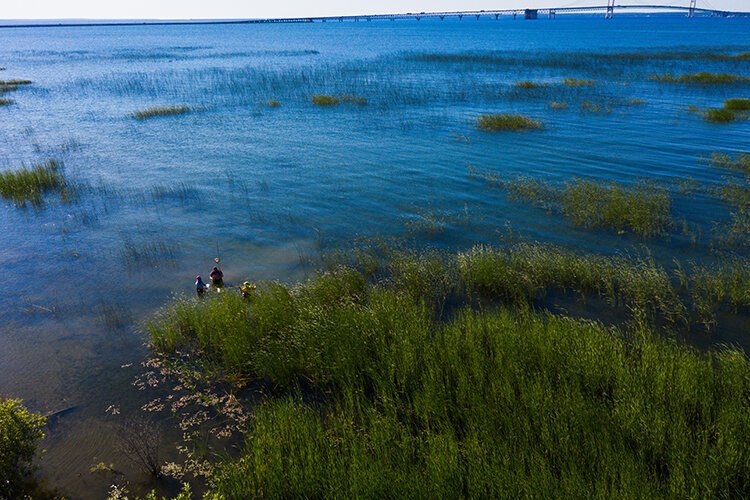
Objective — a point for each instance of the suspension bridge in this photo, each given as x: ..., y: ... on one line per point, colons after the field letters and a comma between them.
x: 608, y: 10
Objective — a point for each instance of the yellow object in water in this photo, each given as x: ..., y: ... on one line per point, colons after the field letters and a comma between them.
x: 247, y: 289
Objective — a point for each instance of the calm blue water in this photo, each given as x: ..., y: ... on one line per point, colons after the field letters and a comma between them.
x: 270, y: 186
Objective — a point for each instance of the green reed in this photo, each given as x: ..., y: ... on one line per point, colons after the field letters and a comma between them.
x: 325, y: 100
x: 29, y: 185
x: 643, y: 209
x: 702, y: 77
x: 576, y: 82
x: 507, y: 122
x: 161, y: 111
x: 737, y: 104
x: 401, y: 402
x: 719, y: 115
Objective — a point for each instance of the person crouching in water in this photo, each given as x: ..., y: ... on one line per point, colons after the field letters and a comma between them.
x: 247, y: 290
x: 217, y: 278
x: 200, y: 287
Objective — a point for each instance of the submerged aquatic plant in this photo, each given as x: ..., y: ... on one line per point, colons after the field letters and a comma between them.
x: 28, y: 185
x: 507, y: 122
x: 529, y: 85
x: 161, y: 111
x: 557, y: 105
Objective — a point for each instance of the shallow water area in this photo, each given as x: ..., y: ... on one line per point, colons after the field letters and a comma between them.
x: 268, y: 189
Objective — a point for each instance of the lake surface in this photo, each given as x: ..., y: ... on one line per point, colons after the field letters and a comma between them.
x: 270, y: 188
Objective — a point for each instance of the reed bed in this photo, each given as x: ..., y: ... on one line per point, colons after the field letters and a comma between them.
x: 702, y: 77
x: 378, y: 394
x: 158, y: 111
x: 29, y: 185
x: 330, y: 100
x: 740, y: 162
x: 576, y: 82
x: 643, y: 209
x: 719, y: 115
x: 737, y: 104
x: 507, y: 122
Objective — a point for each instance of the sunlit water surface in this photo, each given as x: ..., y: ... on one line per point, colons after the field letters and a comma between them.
x: 266, y: 188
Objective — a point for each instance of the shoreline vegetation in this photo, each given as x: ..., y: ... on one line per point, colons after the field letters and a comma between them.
x: 431, y: 374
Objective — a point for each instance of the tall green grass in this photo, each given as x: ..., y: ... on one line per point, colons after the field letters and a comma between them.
x: 29, y: 185
x: 488, y: 403
x: 643, y: 208
x: 507, y: 122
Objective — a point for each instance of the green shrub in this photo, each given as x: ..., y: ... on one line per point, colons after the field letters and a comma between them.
x: 20, y: 433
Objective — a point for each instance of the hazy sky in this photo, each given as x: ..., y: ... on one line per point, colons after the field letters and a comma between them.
x: 223, y: 9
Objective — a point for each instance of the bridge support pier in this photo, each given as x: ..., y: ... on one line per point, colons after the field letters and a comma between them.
x: 610, y: 12
x: 552, y: 14
x: 497, y: 16
x: 691, y: 10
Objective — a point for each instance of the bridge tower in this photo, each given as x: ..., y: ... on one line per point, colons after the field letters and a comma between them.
x: 610, y: 12
x: 691, y: 10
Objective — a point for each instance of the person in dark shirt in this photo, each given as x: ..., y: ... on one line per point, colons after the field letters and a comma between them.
x: 200, y: 287
x: 217, y: 277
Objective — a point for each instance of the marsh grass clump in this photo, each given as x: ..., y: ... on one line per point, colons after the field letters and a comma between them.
x: 507, y: 122
x: 702, y: 77
x: 6, y: 102
x: 558, y: 105
x: 719, y: 115
x: 595, y: 107
x: 644, y: 209
x: 15, y: 83
x: 325, y: 100
x: 29, y: 185
x: 20, y: 433
x: 273, y: 103
x: 740, y: 162
x: 160, y: 111
x: 527, y: 85
x: 576, y: 82
x: 353, y: 99
x: 737, y: 104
